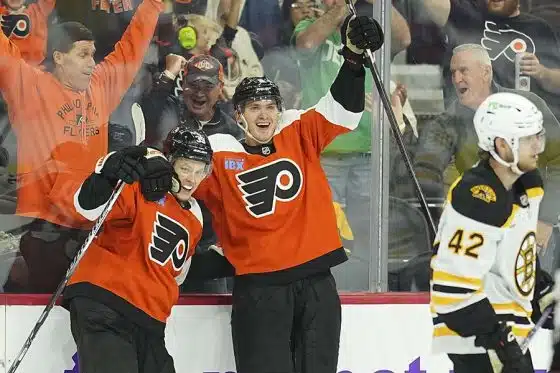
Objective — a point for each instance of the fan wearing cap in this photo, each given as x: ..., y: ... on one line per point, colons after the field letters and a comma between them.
x: 202, y: 87
x: 60, y: 115
x: 26, y: 26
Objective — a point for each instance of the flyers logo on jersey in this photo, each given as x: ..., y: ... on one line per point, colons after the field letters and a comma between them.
x: 170, y: 241
x: 16, y: 24
x: 280, y: 180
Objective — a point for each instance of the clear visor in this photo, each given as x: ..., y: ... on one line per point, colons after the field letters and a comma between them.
x: 534, y: 142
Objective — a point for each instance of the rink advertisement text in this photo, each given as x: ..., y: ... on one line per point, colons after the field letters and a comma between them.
x: 414, y: 367
x: 375, y: 338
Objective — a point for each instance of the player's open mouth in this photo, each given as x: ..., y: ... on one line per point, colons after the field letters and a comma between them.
x: 263, y: 124
x: 463, y: 90
x: 188, y: 188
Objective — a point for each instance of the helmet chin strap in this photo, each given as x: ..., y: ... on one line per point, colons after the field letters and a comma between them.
x: 245, y: 128
x: 511, y: 165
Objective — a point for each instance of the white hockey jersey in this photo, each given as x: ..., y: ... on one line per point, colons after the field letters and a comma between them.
x: 486, y: 256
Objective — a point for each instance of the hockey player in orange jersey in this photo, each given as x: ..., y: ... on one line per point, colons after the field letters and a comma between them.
x: 27, y: 27
x: 60, y: 118
x: 126, y: 283
x: 272, y: 212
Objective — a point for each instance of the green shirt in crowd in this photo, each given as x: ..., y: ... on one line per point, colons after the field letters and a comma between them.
x: 318, y: 68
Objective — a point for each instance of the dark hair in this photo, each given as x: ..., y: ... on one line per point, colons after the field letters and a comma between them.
x: 63, y: 36
x: 483, y: 155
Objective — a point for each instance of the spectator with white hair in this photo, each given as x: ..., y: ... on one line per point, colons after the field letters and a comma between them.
x: 452, y: 136
x: 504, y: 29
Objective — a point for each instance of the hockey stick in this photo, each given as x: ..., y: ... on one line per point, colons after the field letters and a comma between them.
x: 69, y: 273
x: 497, y: 365
x: 525, y: 344
x: 139, y: 123
x: 395, y: 129
x: 138, y: 119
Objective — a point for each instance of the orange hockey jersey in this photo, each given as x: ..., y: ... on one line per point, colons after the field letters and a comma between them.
x: 272, y: 209
x: 28, y: 30
x: 60, y: 132
x: 142, y: 254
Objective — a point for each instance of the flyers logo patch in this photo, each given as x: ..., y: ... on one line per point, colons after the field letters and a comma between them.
x: 505, y: 41
x: 16, y: 24
x: 170, y: 241
x: 263, y: 186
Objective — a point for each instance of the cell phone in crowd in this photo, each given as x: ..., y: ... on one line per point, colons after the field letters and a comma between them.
x: 522, y: 81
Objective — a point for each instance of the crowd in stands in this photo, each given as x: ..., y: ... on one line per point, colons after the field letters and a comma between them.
x: 179, y: 63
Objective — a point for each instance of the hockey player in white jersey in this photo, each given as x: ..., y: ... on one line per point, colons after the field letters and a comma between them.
x: 486, y: 282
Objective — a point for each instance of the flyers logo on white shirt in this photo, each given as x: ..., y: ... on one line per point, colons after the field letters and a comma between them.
x: 505, y: 42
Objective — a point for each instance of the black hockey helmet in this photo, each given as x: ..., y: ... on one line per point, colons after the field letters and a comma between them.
x: 188, y: 143
x: 256, y: 88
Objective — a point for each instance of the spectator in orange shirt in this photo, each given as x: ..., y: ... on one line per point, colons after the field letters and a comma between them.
x: 27, y: 27
x: 60, y: 119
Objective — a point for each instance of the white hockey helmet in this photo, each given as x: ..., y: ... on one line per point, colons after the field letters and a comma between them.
x: 510, y: 117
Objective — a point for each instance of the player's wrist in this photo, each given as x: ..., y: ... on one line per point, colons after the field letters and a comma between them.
x: 355, y: 60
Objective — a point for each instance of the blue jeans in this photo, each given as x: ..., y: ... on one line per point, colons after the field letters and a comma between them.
x: 349, y: 177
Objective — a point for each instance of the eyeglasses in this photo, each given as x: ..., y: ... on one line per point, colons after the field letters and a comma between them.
x: 204, y: 86
x: 302, y: 4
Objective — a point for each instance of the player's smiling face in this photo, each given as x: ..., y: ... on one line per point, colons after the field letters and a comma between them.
x: 190, y: 173
x: 261, y: 117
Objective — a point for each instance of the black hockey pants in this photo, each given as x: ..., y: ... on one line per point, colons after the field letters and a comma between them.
x: 291, y: 328
x: 108, y: 342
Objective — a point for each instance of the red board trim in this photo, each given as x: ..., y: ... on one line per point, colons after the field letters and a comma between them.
x: 216, y: 300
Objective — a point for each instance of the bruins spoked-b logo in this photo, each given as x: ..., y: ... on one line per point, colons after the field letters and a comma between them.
x: 280, y: 180
x: 16, y: 24
x: 170, y: 241
x: 525, y: 265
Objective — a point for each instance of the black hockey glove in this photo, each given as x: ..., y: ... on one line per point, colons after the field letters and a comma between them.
x: 157, y: 178
x: 122, y: 165
x: 543, y: 297
x: 503, y: 342
x: 359, y: 33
